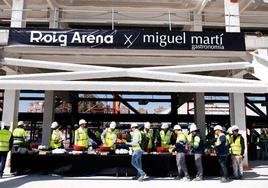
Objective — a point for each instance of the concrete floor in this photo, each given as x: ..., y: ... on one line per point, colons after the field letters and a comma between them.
x: 256, y: 176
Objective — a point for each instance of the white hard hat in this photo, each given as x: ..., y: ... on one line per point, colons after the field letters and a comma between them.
x: 223, y: 129
x: 177, y: 127
x: 235, y: 128
x: 230, y: 130
x: 20, y: 123
x: 133, y: 125
x: 82, y: 121
x: 218, y: 127
x: 193, y: 127
x: 54, y: 125
x: 147, y: 125
x: 112, y: 125
x: 164, y: 126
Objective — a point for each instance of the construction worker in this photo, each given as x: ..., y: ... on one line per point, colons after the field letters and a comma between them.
x: 136, y: 159
x: 237, y: 146
x: 222, y: 151
x: 263, y: 144
x: 165, y: 135
x: 6, y: 143
x: 229, y: 134
x: 109, y: 136
x: 197, y: 145
x: 180, y: 153
x: 56, y: 138
x: 19, y: 136
x: 81, y: 135
x: 149, y: 134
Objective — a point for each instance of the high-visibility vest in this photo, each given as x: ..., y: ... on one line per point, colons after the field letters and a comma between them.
x: 55, y: 141
x: 149, y: 135
x: 19, y: 135
x: 218, y: 141
x: 110, y: 138
x: 165, y: 138
x: 181, y: 137
x: 263, y: 137
x: 137, y: 146
x: 5, y: 136
x: 81, y: 137
x: 228, y: 138
x: 236, y: 147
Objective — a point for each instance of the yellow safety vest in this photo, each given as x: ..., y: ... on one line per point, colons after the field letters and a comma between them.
x: 165, y: 138
x: 149, y: 135
x: 18, y: 135
x: 181, y: 137
x: 81, y: 137
x: 55, y: 141
x: 137, y: 146
x: 236, y: 147
x: 228, y: 138
x: 110, y: 138
x: 5, y: 136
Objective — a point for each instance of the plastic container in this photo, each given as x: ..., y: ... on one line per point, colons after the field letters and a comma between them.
x: 105, y: 148
x: 161, y: 149
x: 79, y: 148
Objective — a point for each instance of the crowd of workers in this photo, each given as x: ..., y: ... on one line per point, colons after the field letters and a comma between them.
x: 175, y: 140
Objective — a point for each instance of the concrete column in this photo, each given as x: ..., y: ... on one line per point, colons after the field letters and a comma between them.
x: 17, y: 14
x: 11, y: 107
x: 197, y: 19
x: 48, y: 116
x: 174, y: 108
x: 238, y: 117
x: 11, y: 97
x: 49, y: 103
x: 54, y: 18
x: 232, y: 18
x: 236, y: 100
x: 199, y: 113
x: 199, y: 98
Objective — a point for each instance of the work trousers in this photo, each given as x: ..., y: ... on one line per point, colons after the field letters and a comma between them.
x: 237, y: 163
x: 198, y: 164
x: 223, y: 163
x: 3, y: 158
x: 181, y: 165
x: 136, y: 161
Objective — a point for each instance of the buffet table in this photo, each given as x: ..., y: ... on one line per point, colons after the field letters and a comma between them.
x: 161, y: 165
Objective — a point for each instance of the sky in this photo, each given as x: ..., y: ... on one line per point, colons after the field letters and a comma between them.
x: 150, y: 106
x: 23, y: 106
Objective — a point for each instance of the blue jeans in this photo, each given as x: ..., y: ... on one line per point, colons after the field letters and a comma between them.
x: 223, y: 163
x: 263, y: 152
x: 136, y: 161
x: 3, y: 158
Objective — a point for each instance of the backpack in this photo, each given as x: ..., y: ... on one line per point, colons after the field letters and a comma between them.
x: 144, y: 141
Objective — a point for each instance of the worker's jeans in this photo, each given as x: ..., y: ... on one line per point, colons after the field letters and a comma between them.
x: 181, y: 165
x: 3, y: 158
x: 237, y: 163
x: 223, y: 163
x: 198, y: 164
x: 136, y: 161
x: 263, y: 153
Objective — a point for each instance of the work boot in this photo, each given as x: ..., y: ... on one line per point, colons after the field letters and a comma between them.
x: 198, y: 178
x: 224, y: 180
x: 142, y: 177
x: 186, y: 178
x: 135, y: 177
